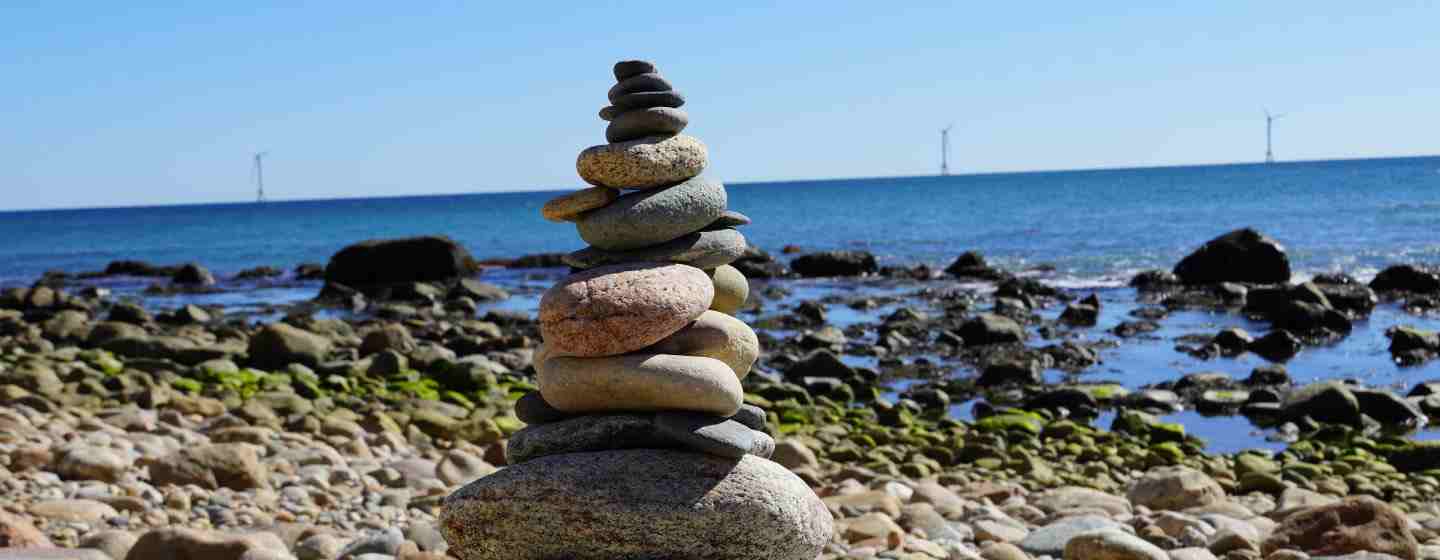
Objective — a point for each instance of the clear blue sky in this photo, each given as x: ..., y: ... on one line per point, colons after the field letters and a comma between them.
x: 127, y: 103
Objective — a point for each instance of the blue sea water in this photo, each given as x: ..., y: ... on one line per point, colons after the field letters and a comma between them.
x: 1096, y: 228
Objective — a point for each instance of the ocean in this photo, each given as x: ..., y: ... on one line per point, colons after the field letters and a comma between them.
x: 1095, y: 228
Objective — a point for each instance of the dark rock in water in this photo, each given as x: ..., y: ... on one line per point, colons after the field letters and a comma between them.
x: 640, y: 123
x: 1277, y: 346
x: 1233, y: 341
x: 1407, y: 278
x: 310, y: 271
x: 1305, y: 317
x: 1410, y: 346
x: 1424, y: 389
x: 707, y: 434
x: 647, y: 100
x: 1388, y: 408
x: 1243, y: 255
x: 811, y: 312
x: 1010, y: 371
x: 375, y: 265
x: 137, y: 268
x: 646, y: 82
x: 1083, y: 314
x: 821, y: 363
x: 834, y: 263
x: 1328, y: 402
x: 756, y: 263
x: 627, y: 68
x: 1273, y: 374
x: 192, y: 274
x: 1356, y: 299
x: 1155, y: 280
x: 971, y: 264
x: 1069, y: 398
x: 258, y: 272
x: 540, y: 260
x: 1025, y: 288
x: 1128, y: 329
x: 989, y: 328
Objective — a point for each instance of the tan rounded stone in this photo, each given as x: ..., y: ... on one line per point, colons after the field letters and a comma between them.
x: 649, y: 162
x: 731, y: 289
x: 715, y: 335
x: 611, y: 310
x: 641, y: 382
x: 568, y: 207
x: 639, y: 503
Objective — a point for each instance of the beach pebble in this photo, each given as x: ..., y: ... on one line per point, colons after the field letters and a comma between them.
x: 627, y: 68
x: 649, y: 81
x: 612, y: 310
x: 1111, y: 544
x: 532, y: 409
x: 729, y: 219
x: 566, y: 208
x: 715, y: 335
x: 643, y: 163
x: 654, y: 216
x: 751, y: 416
x: 703, y: 249
x: 641, y: 382
x: 732, y: 289
x: 651, y: 121
x: 1175, y: 488
x: 709, y: 507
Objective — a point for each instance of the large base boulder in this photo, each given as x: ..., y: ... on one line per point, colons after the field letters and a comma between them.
x: 642, y: 503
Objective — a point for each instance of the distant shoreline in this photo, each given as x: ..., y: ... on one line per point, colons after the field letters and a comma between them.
x: 736, y: 183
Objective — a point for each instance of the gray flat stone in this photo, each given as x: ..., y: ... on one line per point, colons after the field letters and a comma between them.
x: 648, y: 99
x: 647, y: 82
x: 763, y: 446
x: 705, y: 250
x: 708, y: 434
x: 654, y: 216
x: 652, y: 121
x: 532, y: 409
x: 1051, y: 539
x: 751, y: 416
x: 626, y: 68
x: 586, y: 433
x: 637, y: 504
x: 729, y: 219
x: 609, y: 112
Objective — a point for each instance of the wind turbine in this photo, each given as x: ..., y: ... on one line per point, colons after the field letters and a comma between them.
x: 1269, y: 124
x: 945, y: 150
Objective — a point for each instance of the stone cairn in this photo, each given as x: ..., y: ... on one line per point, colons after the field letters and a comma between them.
x: 638, y: 443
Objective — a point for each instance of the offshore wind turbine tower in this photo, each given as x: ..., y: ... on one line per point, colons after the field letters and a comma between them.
x: 1269, y: 125
x: 945, y: 150
x: 260, y: 177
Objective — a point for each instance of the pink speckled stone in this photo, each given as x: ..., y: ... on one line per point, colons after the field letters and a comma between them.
x: 611, y: 310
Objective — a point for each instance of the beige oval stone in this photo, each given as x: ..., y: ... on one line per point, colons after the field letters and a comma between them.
x: 641, y: 382
x: 611, y: 310
x: 645, y: 163
x: 731, y: 289
x: 637, y: 503
x: 715, y: 335
x: 568, y: 207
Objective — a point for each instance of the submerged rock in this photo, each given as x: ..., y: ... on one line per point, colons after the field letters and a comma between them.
x: 1243, y: 255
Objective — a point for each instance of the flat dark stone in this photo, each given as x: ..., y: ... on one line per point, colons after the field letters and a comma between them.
x: 707, y: 434
x: 532, y: 409
x: 729, y: 219
x: 648, y: 99
x: 609, y: 112
x: 626, y: 68
x: 705, y: 249
x: 586, y: 434
x: 654, y: 121
x: 638, y: 84
x: 751, y: 416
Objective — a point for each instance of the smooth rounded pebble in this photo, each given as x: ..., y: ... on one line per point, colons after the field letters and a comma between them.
x: 647, y: 100
x: 643, y: 163
x: 751, y: 416
x: 729, y: 219
x: 641, y: 382
x: 637, y: 504
x: 649, y: 81
x: 566, y: 208
x: 611, y: 310
x: 626, y: 68
x: 704, y: 250
x: 1111, y: 544
x: 715, y: 335
x: 731, y: 289
x: 532, y: 409
x: 764, y: 445
x: 651, y: 121
x: 713, y: 435
x: 654, y: 216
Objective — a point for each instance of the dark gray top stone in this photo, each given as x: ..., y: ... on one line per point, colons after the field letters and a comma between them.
x: 626, y: 68
x: 704, y: 249
x: 640, y: 83
x: 647, y: 99
x: 654, y: 121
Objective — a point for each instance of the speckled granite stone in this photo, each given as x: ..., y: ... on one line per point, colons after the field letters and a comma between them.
x: 612, y: 310
x: 643, y: 163
x: 640, y: 382
x: 566, y: 208
x: 654, y: 216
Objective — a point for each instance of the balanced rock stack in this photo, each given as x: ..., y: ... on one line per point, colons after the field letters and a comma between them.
x: 639, y: 444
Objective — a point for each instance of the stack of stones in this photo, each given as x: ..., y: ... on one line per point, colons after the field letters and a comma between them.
x: 638, y: 443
